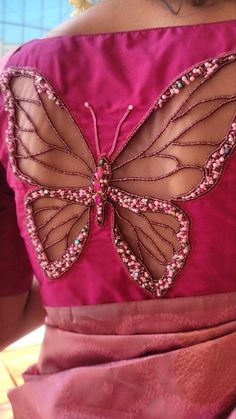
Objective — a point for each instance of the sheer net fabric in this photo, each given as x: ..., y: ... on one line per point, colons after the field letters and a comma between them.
x: 177, y: 153
x: 50, y: 153
x: 167, y: 158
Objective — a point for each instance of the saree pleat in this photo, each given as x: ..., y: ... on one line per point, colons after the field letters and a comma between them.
x: 165, y: 359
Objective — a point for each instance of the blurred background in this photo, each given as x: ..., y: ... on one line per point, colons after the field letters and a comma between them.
x: 14, y: 360
x: 22, y: 20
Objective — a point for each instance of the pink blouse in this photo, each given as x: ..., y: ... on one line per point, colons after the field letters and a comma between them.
x: 95, y: 199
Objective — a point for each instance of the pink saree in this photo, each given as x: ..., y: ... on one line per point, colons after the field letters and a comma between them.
x: 166, y: 359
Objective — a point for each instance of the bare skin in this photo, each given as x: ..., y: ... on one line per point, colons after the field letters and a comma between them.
x: 124, y: 15
x: 20, y: 314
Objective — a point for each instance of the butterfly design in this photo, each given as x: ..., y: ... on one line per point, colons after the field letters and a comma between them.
x: 175, y: 154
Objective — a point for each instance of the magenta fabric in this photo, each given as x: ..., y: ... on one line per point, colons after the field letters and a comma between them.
x: 149, y: 359
x: 110, y: 71
x: 15, y: 277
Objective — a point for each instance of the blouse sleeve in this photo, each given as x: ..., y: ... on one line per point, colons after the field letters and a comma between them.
x: 15, y: 270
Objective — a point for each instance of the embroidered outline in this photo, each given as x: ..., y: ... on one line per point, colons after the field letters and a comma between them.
x: 213, y: 168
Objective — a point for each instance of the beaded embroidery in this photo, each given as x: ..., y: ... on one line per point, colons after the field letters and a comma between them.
x: 136, y: 269
x: 55, y: 269
x: 100, y: 184
x: 203, y: 70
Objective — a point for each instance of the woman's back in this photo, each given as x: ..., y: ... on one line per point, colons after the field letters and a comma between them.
x: 157, y: 122
x: 120, y: 148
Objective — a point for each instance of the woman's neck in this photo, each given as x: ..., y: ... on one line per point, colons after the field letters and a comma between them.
x: 124, y: 15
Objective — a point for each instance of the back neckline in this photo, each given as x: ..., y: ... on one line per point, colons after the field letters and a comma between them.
x: 137, y: 31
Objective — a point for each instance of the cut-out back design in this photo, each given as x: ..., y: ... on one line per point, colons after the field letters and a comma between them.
x: 176, y: 154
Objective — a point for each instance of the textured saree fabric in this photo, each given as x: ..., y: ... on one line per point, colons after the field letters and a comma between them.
x: 164, y: 359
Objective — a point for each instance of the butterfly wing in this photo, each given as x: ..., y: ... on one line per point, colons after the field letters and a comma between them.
x: 177, y: 154
x: 45, y: 144
x: 151, y: 237
x: 48, y: 150
x: 58, y: 224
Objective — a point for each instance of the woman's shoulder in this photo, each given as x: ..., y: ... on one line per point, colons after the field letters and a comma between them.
x: 124, y: 16
x: 131, y: 33
x: 132, y: 17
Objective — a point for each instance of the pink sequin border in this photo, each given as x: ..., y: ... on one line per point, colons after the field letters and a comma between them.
x: 53, y: 270
x: 137, y: 270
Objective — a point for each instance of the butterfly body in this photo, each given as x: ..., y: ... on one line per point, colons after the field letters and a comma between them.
x: 100, y: 184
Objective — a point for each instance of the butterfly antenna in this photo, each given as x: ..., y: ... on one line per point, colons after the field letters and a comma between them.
x: 128, y: 110
x: 95, y: 127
